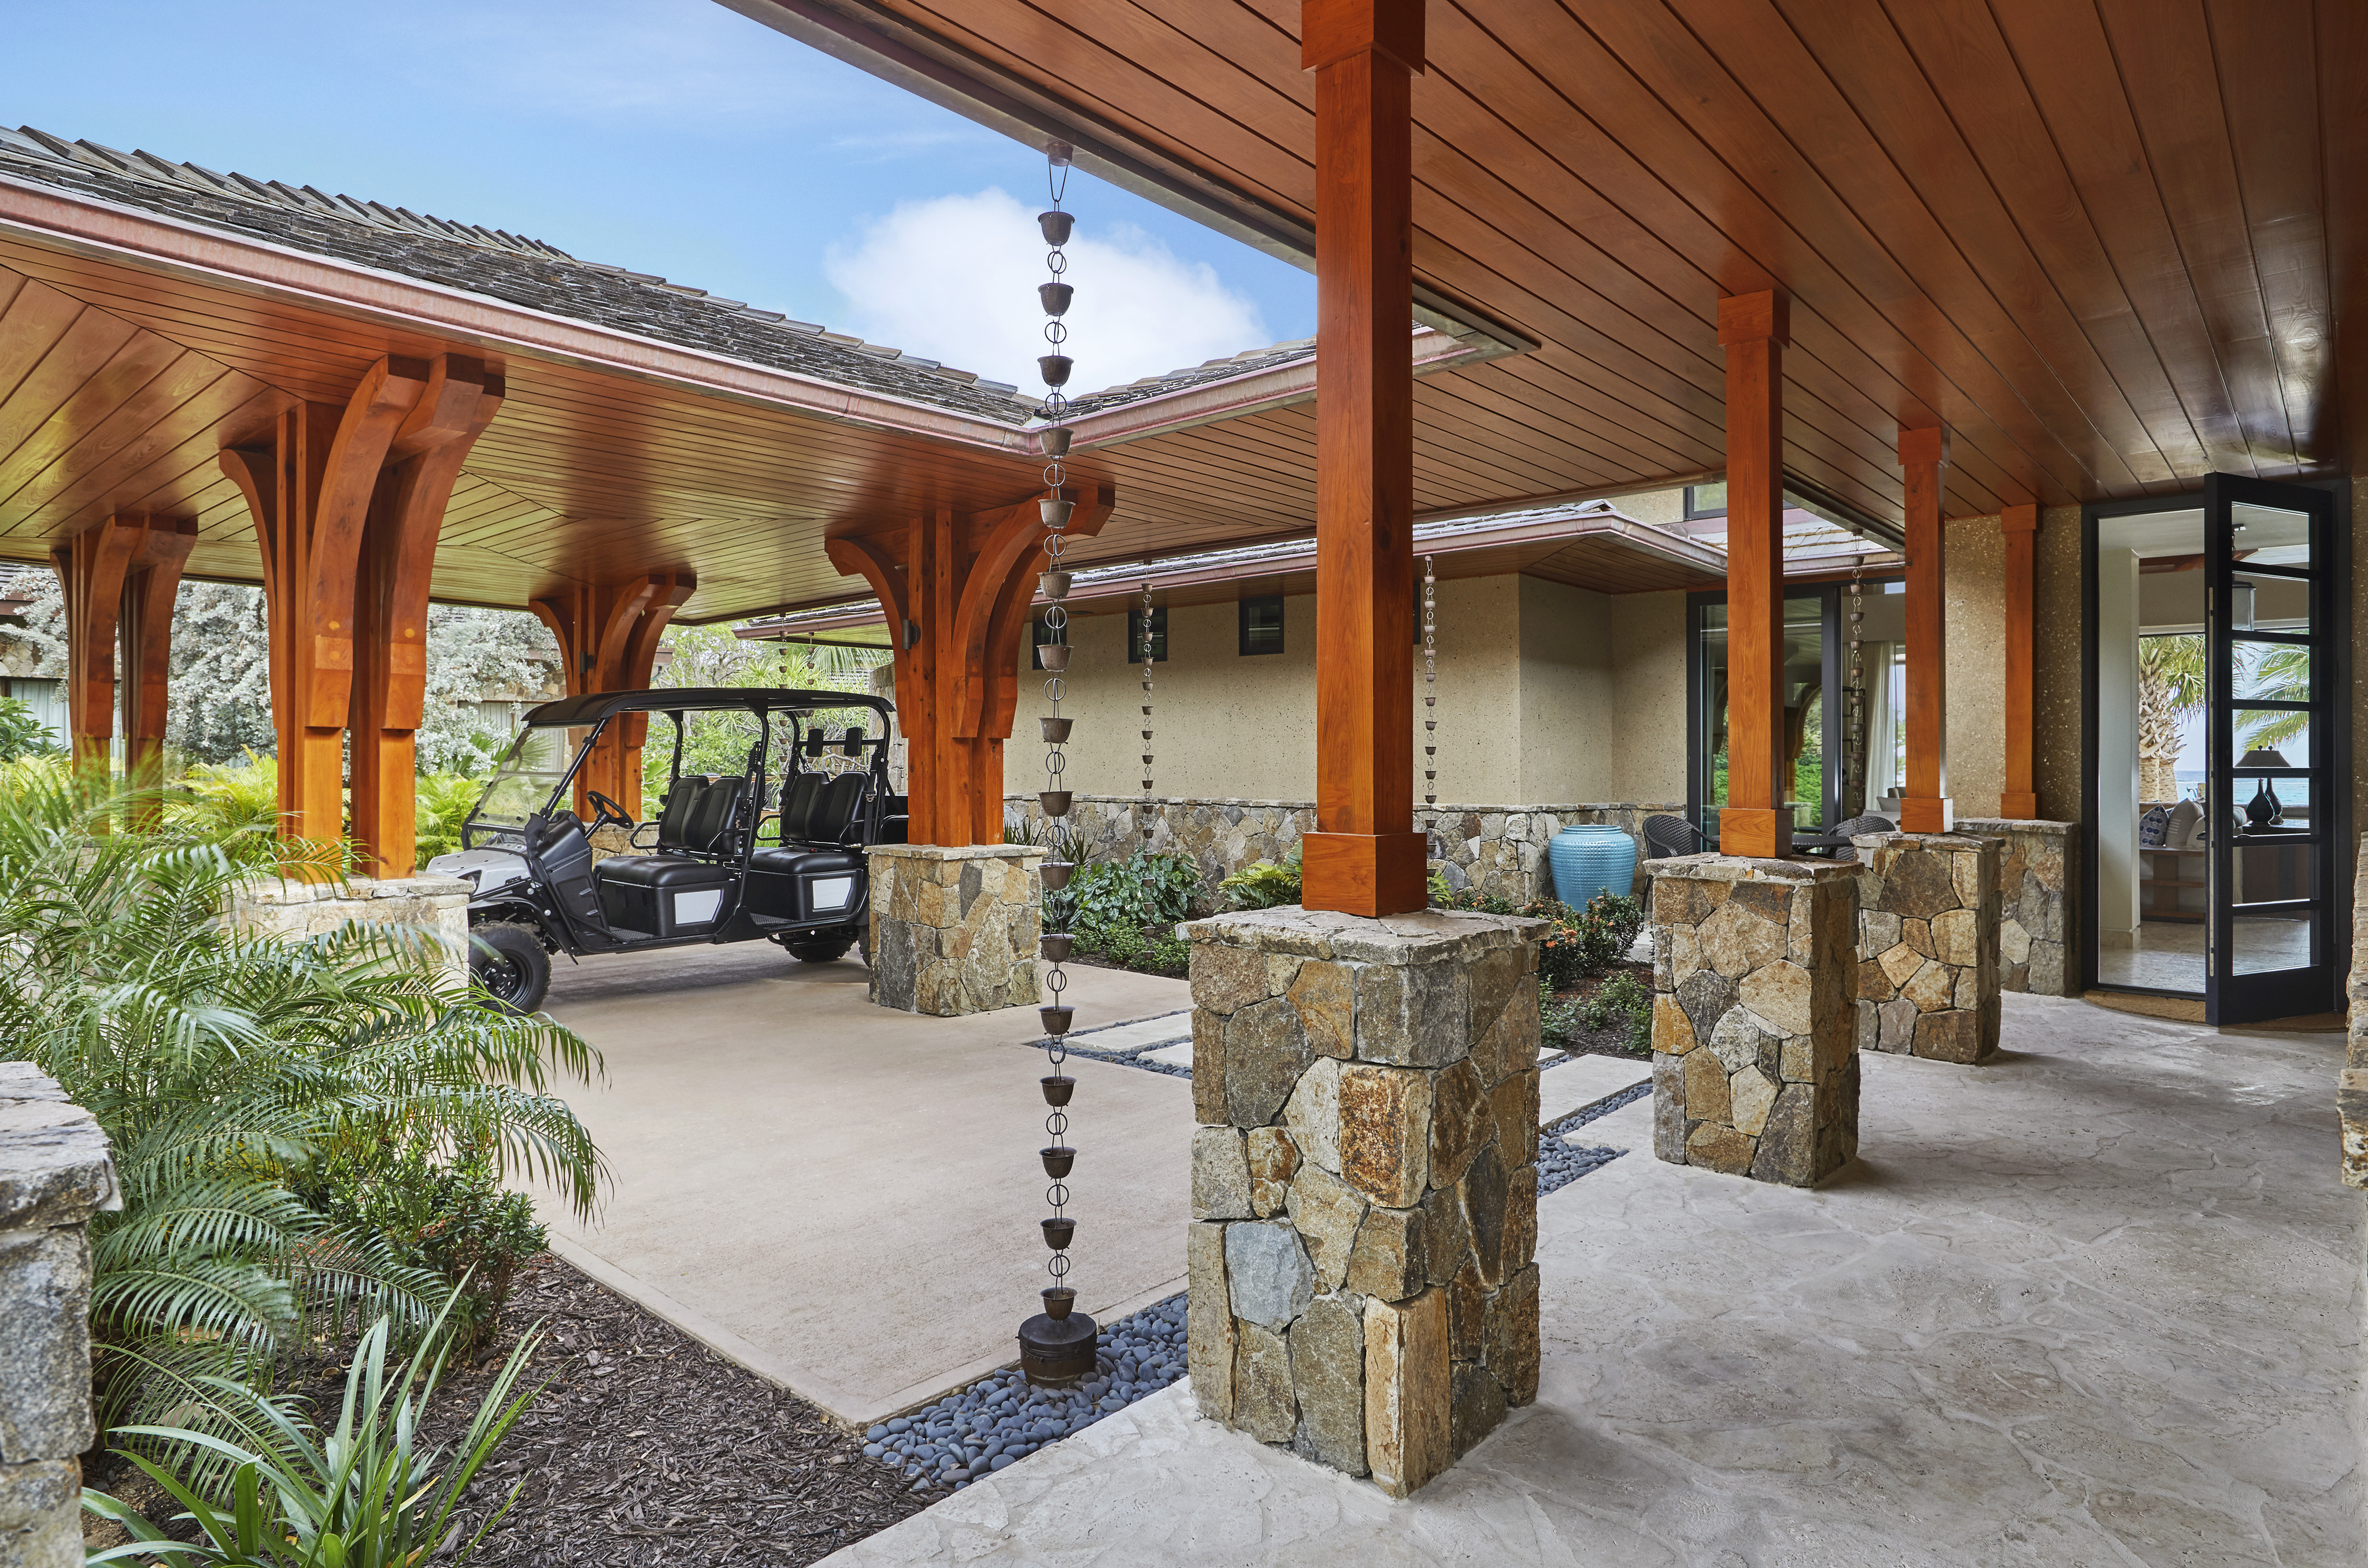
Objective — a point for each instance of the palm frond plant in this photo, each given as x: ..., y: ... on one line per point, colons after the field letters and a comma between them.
x: 361, y: 1493
x: 225, y: 1065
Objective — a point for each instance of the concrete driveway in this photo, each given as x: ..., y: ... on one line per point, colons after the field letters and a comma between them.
x: 845, y: 1199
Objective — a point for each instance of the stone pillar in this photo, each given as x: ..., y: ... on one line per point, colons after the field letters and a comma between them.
x: 1928, y: 972
x: 2038, y: 905
x: 277, y: 906
x: 55, y: 1173
x: 1364, y: 1183
x: 1754, y: 968
x: 953, y: 931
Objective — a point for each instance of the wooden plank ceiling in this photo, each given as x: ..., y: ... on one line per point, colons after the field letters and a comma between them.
x: 2107, y: 243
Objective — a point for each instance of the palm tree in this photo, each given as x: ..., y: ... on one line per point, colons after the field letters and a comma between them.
x: 225, y: 1066
x: 2171, y: 686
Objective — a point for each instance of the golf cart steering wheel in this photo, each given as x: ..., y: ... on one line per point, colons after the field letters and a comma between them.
x: 606, y: 811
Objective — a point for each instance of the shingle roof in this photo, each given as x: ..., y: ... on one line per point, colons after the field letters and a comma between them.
x: 500, y: 265
x: 1248, y: 361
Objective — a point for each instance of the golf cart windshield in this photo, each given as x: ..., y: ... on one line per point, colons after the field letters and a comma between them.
x: 535, y: 765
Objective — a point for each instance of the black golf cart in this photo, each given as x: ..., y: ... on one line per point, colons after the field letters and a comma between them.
x: 773, y: 851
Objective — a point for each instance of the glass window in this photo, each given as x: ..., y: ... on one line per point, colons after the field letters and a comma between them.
x: 1158, y: 635
x: 1814, y: 776
x: 1706, y: 500
x: 1261, y: 625
x: 1040, y: 634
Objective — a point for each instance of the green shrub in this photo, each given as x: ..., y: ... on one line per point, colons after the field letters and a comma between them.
x: 455, y: 1222
x: 1145, y: 889
x: 1480, y: 903
x: 1265, y: 884
x: 360, y: 1495
x: 1622, y: 1000
x: 1581, y: 944
x: 21, y: 734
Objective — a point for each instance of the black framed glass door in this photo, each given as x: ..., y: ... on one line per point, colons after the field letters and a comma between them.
x: 2271, y: 566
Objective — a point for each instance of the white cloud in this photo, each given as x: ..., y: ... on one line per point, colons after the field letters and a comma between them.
x: 953, y: 278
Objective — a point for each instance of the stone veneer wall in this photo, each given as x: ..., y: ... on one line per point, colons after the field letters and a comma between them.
x: 1754, y: 1066
x: 953, y: 931
x: 2039, y: 909
x: 285, y: 908
x: 1364, y: 1183
x: 2352, y: 1088
x: 1928, y: 972
x: 1498, y: 849
x: 55, y: 1173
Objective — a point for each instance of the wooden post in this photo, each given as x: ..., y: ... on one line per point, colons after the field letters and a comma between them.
x: 2021, y: 526
x: 609, y: 635
x: 1924, y: 804
x: 965, y: 585
x: 346, y: 503
x: 398, y: 558
x: 120, y: 579
x: 1756, y: 821
x: 1364, y: 856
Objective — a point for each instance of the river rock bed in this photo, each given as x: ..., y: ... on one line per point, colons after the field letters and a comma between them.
x: 999, y: 1419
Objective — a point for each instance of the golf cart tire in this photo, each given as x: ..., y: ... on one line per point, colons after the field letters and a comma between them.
x: 818, y: 949
x: 509, y: 962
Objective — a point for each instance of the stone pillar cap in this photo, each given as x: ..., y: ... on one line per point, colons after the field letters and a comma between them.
x: 959, y: 852
x: 54, y: 1164
x: 1419, y: 937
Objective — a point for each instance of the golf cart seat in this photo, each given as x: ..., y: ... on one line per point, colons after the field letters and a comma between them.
x: 679, y: 890
x: 816, y: 878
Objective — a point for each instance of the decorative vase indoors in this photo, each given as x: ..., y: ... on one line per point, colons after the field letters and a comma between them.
x: 1592, y: 860
x: 2264, y: 809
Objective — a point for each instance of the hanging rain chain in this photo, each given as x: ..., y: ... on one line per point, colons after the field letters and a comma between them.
x: 1430, y: 698
x: 1056, y: 1347
x: 1854, y: 785
x: 1150, y: 815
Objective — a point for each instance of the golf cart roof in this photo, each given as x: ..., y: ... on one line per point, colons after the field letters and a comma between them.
x: 573, y: 712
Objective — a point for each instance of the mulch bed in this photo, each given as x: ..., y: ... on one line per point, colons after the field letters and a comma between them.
x: 645, y: 1446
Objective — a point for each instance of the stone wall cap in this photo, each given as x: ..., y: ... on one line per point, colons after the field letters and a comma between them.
x: 1419, y: 937
x: 54, y: 1164
x: 1485, y: 808
x: 1716, y: 868
x: 1988, y: 825
x: 960, y: 852
x: 416, y: 886
x: 1953, y: 841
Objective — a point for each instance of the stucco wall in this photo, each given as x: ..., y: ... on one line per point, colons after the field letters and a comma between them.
x: 1545, y: 693
x: 2055, y: 762
x: 1648, y: 661
x: 1976, y: 673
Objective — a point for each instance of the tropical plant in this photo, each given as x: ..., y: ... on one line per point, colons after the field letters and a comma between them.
x: 2171, y: 686
x: 363, y: 1494
x: 1265, y: 884
x: 22, y: 734
x: 2276, y: 675
x: 227, y: 1065
x: 444, y: 802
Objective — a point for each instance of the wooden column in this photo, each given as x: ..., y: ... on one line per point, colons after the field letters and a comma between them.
x: 398, y: 558
x: 312, y: 486
x: 966, y: 586
x: 120, y: 578
x: 1364, y: 856
x: 609, y: 635
x: 2021, y: 526
x: 1924, y: 804
x: 1754, y: 329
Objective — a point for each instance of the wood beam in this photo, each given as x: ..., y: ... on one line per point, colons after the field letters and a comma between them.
x: 1924, y: 805
x: 2020, y: 524
x: 397, y: 562
x: 92, y: 568
x: 150, y: 591
x: 964, y: 584
x: 1754, y: 329
x: 609, y: 635
x: 1364, y: 856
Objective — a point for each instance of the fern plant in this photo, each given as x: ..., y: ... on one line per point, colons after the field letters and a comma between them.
x: 225, y: 1065
x: 1265, y: 884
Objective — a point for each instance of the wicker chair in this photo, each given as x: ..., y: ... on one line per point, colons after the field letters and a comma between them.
x: 1666, y: 836
x: 1869, y: 824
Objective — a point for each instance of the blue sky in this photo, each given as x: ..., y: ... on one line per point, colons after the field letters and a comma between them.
x: 670, y: 136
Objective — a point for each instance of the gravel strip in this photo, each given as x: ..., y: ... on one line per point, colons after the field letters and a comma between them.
x: 1000, y: 1419
x: 1561, y: 1162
